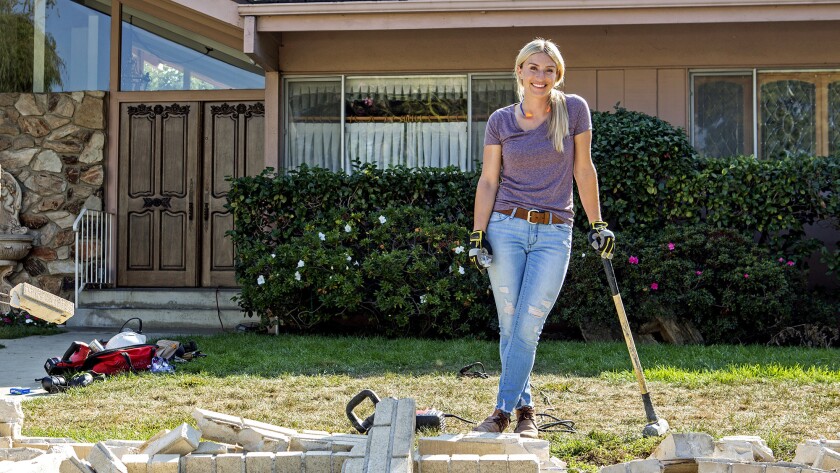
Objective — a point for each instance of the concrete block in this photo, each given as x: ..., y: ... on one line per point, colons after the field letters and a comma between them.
x: 273, y: 428
x: 650, y: 465
x: 136, y: 462
x: 460, y: 463
x: 302, y: 442
x: 74, y: 465
x: 684, y: 445
x: 165, y: 463
x: 211, y: 448
x: 379, y: 449
x: 827, y: 459
x: 318, y: 462
x: 401, y: 465
x: 230, y: 463
x: 11, y: 411
x: 5, y: 442
x: 288, y: 462
x: 103, y: 460
x: 493, y: 463
x: 807, y: 451
x: 216, y: 426
x: 180, y: 440
x: 82, y: 449
x: 384, y: 413
x: 760, y: 450
x: 734, y: 450
x: 524, y: 463
x: 259, y: 462
x: 20, y: 454
x: 354, y: 465
x: 338, y: 460
x: 720, y: 466
x: 198, y: 463
x: 782, y: 467
x: 254, y: 439
x: 10, y: 429
x: 402, y: 427
x: 434, y: 464
x: 748, y: 468
x: 537, y: 447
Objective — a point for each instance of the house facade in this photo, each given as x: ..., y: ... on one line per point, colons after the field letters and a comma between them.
x: 197, y: 90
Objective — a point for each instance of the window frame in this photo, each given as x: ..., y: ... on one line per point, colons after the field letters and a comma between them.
x: 343, y: 78
x: 760, y: 76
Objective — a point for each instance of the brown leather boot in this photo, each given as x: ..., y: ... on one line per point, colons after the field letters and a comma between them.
x: 497, y: 422
x: 525, y: 423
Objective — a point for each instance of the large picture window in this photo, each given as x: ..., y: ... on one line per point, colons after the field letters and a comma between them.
x: 798, y: 113
x: 413, y: 121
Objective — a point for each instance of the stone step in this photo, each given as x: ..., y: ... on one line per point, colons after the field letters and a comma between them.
x: 160, y: 309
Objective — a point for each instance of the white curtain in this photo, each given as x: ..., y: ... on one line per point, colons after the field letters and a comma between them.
x: 382, y: 129
x: 314, y: 125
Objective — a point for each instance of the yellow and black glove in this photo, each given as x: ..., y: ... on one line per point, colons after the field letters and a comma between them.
x: 481, y: 253
x: 602, y: 239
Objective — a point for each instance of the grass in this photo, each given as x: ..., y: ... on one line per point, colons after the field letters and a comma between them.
x: 8, y: 332
x: 784, y: 395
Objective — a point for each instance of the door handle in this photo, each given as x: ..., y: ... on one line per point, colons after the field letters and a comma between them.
x: 206, y: 211
x: 190, y: 202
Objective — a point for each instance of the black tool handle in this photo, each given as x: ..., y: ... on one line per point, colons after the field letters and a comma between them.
x: 361, y: 426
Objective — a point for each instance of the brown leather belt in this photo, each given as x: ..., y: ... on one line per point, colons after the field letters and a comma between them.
x: 534, y: 216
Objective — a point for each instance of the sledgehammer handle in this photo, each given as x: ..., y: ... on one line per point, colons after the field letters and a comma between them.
x: 628, y: 339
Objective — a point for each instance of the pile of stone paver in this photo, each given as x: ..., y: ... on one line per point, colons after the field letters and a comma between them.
x: 222, y: 443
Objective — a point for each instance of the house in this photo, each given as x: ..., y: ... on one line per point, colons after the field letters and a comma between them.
x: 182, y: 93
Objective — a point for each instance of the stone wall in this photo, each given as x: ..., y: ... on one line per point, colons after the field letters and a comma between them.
x: 53, y: 144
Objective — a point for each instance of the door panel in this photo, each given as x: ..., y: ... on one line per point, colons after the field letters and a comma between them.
x: 233, y: 146
x: 157, y: 194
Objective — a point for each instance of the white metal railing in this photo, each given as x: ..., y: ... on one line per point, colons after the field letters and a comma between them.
x: 94, y: 231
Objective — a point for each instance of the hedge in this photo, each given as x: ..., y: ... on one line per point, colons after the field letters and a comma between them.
x: 384, y: 250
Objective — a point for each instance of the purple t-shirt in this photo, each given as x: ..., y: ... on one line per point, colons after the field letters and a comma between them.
x: 534, y: 174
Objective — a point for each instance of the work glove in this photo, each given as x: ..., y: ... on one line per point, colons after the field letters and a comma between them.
x: 602, y: 239
x: 481, y: 253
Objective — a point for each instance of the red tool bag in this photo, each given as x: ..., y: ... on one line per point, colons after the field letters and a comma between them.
x: 79, y: 358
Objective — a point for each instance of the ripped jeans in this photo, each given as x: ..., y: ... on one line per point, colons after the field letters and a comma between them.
x: 528, y: 269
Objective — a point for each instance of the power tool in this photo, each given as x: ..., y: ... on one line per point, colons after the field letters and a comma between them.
x: 426, y: 418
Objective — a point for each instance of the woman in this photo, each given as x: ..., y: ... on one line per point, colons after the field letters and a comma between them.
x: 534, y: 151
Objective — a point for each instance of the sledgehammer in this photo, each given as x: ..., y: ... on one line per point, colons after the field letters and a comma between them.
x: 656, y: 425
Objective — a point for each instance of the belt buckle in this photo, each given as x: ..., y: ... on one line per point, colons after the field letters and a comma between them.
x: 529, y: 215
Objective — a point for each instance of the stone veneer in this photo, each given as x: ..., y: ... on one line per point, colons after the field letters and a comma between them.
x: 53, y: 144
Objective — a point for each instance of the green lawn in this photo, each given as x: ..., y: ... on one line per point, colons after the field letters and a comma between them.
x: 784, y: 395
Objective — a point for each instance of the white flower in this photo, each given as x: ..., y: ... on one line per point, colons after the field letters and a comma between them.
x: 261, y: 280
x: 459, y: 250
x: 356, y: 263
x: 29, y: 321
x: 272, y: 255
x: 460, y: 270
x: 300, y: 264
x: 322, y: 236
x: 349, y: 258
x: 382, y: 219
x: 347, y: 228
x: 583, y: 255
x: 297, y: 275
x: 423, y: 299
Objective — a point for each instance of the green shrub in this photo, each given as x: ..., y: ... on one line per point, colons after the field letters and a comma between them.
x: 727, y: 218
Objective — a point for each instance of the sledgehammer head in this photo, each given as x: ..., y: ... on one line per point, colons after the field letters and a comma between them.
x: 656, y: 429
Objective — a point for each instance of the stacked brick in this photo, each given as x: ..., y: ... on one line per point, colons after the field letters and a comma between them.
x: 228, y: 444
x: 699, y: 453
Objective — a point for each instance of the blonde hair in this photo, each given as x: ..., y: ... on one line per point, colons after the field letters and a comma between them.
x: 558, y: 121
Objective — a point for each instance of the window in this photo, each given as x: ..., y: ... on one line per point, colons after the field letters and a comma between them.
x: 159, y: 56
x: 54, y: 45
x: 414, y: 121
x: 798, y: 113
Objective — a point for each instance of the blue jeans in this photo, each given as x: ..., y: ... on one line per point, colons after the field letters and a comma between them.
x: 527, y: 272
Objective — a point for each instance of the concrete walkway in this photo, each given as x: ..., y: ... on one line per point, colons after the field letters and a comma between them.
x: 22, y: 361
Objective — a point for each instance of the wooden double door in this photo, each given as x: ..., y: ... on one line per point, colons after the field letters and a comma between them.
x: 174, y: 162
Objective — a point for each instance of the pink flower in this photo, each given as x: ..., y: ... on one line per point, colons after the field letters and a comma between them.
x: 654, y: 286
x: 781, y: 260
x: 671, y: 246
x: 746, y: 276
x: 7, y: 320
x: 698, y: 273
x: 633, y: 260
x: 790, y: 263
x: 368, y: 101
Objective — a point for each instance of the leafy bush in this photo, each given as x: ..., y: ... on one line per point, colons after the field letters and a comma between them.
x: 731, y: 220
